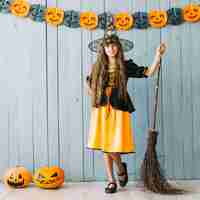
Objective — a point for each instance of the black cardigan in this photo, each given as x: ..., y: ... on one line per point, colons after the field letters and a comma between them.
x: 133, y: 71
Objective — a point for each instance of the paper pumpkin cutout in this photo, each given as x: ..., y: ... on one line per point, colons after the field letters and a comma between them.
x: 71, y: 19
x: 157, y: 18
x: 123, y: 21
x: 105, y: 19
x: 5, y: 6
x: 141, y: 20
x: 47, y: 178
x: 20, y: 8
x: 88, y: 20
x: 37, y: 12
x: 54, y: 16
x: 175, y: 16
x: 191, y: 13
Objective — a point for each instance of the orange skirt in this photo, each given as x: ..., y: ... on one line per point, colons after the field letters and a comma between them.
x: 110, y: 130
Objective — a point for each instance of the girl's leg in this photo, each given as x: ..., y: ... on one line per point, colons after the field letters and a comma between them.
x: 118, y: 161
x: 109, y: 167
x: 121, y: 169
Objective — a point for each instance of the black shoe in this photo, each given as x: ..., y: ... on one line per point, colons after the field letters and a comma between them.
x: 123, y: 181
x: 111, y: 187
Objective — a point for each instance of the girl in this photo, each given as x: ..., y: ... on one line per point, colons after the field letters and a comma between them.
x: 110, y: 126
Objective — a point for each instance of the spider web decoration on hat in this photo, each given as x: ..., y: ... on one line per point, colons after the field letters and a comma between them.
x: 127, y: 45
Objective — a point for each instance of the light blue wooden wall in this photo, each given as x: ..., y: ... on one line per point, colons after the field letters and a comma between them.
x: 45, y: 109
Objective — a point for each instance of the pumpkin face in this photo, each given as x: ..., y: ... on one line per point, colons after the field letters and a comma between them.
x: 191, y: 13
x: 157, y: 19
x: 17, y: 177
x: 5, y: 6
x: 123, y: 21
x: 37, y: 12
x: 175, y: 16
x: 48, y: 178
x: 88, y: 20
x: 54, y: 16
x: 20, y: 8
x: 141, y: 20
x: 71, y: 19
x: 105, y: 19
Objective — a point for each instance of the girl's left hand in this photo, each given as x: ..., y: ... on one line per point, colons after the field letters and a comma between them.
x: 161, y: 49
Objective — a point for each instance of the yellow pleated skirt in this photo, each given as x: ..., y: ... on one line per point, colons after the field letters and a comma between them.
x: 110, y: 130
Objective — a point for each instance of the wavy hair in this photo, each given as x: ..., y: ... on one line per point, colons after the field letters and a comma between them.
x: 99, y: 73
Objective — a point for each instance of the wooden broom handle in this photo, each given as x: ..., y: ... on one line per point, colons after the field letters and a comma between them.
x: 156, y: 97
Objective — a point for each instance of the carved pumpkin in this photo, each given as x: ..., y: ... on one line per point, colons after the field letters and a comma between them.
x: 54, y: 16
x: 141, y: 20
x: 5, y: 6
x: 157, y: 19
x: 88, y: 20
x: 123, y: 21
x: 20, y: 8
x: 17, y: 177
x: 48, y: 178
x: 191, y: 13
x: 37, y: 12
x: 71, y: 19
x: 175, y: 16
x: 105, y: 19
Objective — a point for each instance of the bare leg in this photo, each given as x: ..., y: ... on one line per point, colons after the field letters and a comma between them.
x: 118, y: 161
x: 120, y: 168
x: 109, y: 167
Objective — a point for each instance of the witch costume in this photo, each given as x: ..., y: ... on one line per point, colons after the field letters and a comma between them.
x: 110, y: 124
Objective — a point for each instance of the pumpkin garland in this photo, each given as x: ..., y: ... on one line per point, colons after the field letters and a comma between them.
x: 88, y: 20
x: 158, y: 18
x: 54, y: 16
x: 191, y: 13
x: 123, y: 21
x: 20, y: 8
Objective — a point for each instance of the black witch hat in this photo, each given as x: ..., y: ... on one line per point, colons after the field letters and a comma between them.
x: 110, y: 36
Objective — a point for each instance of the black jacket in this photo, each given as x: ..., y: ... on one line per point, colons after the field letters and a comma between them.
x: 133, y: 71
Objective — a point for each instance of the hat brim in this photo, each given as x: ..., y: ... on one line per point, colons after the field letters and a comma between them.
x: 127, y: 45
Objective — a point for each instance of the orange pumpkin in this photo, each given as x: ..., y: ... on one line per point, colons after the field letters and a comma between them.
x: 20, y: 8
x: 191, y: 13
x: 123, y: 21
x: 157, y: 19
x: 88, y: 20
x: 54, y: 16
x: 17, y: 177
x: 48, y: 178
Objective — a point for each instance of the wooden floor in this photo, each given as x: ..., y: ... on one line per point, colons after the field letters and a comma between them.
x: 95, y: 191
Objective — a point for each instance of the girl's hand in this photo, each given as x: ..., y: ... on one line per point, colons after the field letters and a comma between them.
x: 161, y: 49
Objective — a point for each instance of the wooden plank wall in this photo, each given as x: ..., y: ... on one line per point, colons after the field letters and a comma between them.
x: 45, y: 109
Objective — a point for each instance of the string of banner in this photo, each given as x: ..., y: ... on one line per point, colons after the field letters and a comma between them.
x: 123, y: 21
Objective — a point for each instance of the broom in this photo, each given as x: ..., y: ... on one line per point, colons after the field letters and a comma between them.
x: 151, y: 172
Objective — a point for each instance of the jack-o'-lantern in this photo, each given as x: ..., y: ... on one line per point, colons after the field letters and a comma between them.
x: 20, y: 8
x: 17, y: 177
x: 54, y: 16
x: 191, y: 13
x: 123, y: 21
x: 49, y: 178
x: 88, y: 20
x: 141, y: 20
x: 157, y: 18
x: 5, y: 6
